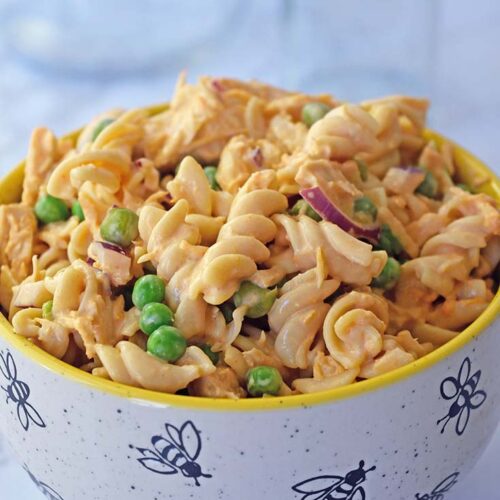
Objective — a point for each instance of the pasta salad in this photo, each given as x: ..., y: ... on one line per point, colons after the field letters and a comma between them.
x: 246, y: 241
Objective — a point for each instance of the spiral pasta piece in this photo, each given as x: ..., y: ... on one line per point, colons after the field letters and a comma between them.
x: 79, y: 242
x: 163, y: 231
x: 412, y: 114
x: 348, y: 259
x: 83, y: 302
x: 327, y: 374
x: 462, y: 306
x: 106, y: 168
x: 397, y: 351
x: 25, y: 312
x: 128, y: 364
x: 191, y: 184
x: 297, y: 316
x: 400, y: 120
x: 238, y: 250
x: 105, y: 162
x: 342, y: 134
x: 123, y: 133
x: 223, y: 383
x: 393, y: 357
x: 446, y: 258
x: 206, y: 323
x: 354, y: 327
x: 49, y: 335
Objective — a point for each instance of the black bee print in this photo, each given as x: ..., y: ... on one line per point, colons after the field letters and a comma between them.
x: 438, y: 492
x: 462, y: 391
x: 335, y: 487
x: 18, y: 392
x: 46, y: 490
x: 175, y: 453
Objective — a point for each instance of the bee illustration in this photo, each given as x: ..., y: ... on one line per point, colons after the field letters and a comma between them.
x: 18, y: 392
x: 175, y: 453
x: 45, y: 489
x: 335, y: 487
x: 438, y: 492
x: 462, y: 390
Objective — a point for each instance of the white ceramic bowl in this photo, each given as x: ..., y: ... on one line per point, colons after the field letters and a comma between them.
x: 412, y: 433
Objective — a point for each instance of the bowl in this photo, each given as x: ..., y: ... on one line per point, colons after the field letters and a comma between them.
x: 411, y: 433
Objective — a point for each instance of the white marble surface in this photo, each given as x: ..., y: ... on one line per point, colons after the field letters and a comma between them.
x: 464, y: 87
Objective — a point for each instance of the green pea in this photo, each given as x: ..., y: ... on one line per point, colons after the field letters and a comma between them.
x: 120, y: 226
x: 211, y: 172
x: 100, y: 127
x: 465, y: 187
x: 314, y: 111
x: 389, y: 275
x: 214, y: 356
x: 365, y: 207
x: 363, y: 169
x: 301, y: 207
x: 227, y: 309
x: 429, y: 186
x: 76, y: 209
x: 263, y: 380
x: 47, y: 309
x: 259, y: 300
x: 50, y: 209
x: 388, y: 242
x: 167, y: 343
x: 154, y: 315
x: 147, y: 289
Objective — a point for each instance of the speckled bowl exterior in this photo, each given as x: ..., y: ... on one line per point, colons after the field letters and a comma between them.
x: 411, y: 434
x: 426, y: 430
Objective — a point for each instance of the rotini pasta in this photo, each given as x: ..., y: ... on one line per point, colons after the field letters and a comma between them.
x: 347, y: 258
x: 354, y: 327
x: 297, y: 316
x: 247, y: 241
x: 128, y: 364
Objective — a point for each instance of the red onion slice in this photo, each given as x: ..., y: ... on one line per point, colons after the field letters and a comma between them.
x: 318, y: 199
x: 112, y: 246
x: 217, y: 85
x: 412, y: 169
x: 258, y: 157
x: 112, y: 260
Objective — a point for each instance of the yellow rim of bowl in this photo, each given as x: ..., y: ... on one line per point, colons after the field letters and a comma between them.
x: 469, y: 168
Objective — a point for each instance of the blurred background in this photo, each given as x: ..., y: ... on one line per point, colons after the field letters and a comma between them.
x: 62, y: 61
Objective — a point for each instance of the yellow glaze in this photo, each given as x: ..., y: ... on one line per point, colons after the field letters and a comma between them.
x: 468, y: 166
